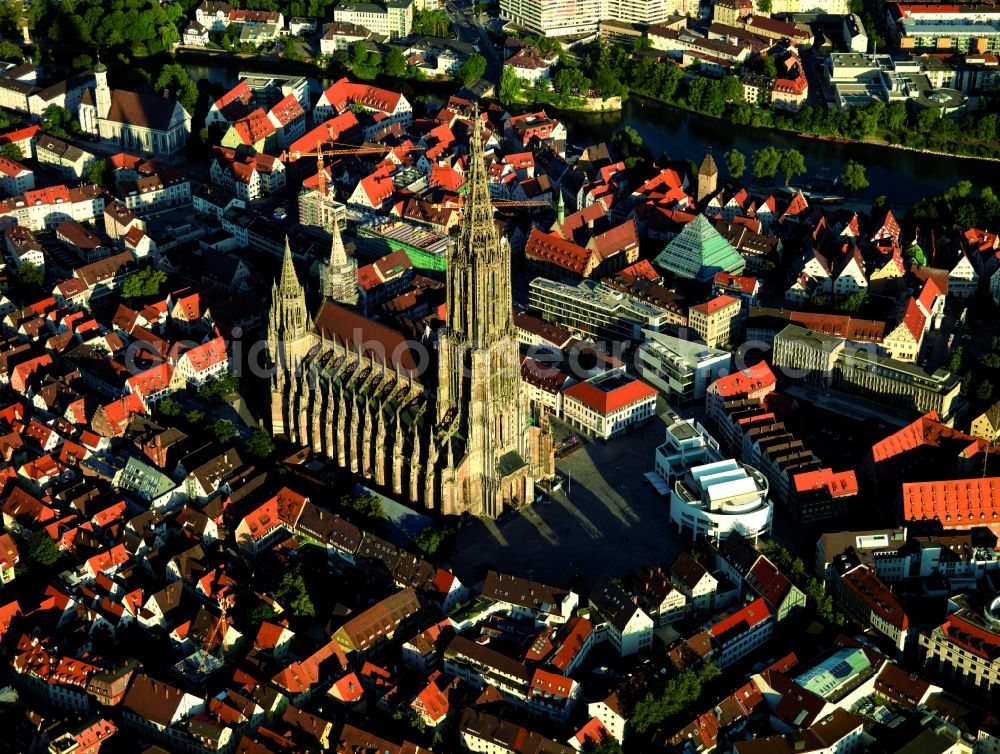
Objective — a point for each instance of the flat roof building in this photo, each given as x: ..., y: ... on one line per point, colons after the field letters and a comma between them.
x: 678, y: 368
x: 719, y: 498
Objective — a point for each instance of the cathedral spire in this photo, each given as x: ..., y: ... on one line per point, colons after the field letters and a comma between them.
x: 339, y: 276
x: 338, y: 256
x: 478, y: 265
x: 479, y: 234
x: 288, y: 284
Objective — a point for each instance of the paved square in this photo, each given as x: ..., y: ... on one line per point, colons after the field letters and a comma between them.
x: 607, y: 519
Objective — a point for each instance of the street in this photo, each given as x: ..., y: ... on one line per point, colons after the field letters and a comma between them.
x: 469, y: 30
x: 607, y: 519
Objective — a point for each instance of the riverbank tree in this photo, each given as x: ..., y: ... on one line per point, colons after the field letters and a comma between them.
x: 615, y: 70
x: 853, y: 178
x: 736, y: 163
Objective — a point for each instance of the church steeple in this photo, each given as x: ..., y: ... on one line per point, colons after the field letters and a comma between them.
x: 289, y: 316
x: 339, y: 275
x: 479, y: 292
x: 479, y: 237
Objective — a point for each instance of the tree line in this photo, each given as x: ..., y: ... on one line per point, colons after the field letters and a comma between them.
x: 613, y: 70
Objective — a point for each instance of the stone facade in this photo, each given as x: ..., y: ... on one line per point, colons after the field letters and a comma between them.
x: 361, y: 394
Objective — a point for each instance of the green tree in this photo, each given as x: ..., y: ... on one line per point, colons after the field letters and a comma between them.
x: 984, y: 391
x: 169, y: 407
x: 510, y: 86
x: 194, y: 416
x: 607, y: 745
x: 29, y: 275
x: 570, y: 81
x: 430, y: 539
x: 175, y: 78
x: 765, y: 162
x: 630, y: 147
x: 853, y: 178
x: 679, y: 693
x: 928, y: 119
x: 766, y: 66
x: 472, y: 68
x: 916, y: 253
x: 42, y: 550
x: 260, y: 613
x: 854, y: 302
x: 368, y: 506
x: 641, y: 43
x: 956, y: 365
x: 292, y: 593
x: 394, y: 63
x: 895, y: 116
x: 143, y: 283
x: 99, y: 173
x: 432, y: 23
x: 217, y: 389
x: 792, y: 164
x: 223, y: 430
x: 736, y: 163
x: 10, y: 51
x: 59, y: 122
x: 260, y: 443
x: 11, y: 152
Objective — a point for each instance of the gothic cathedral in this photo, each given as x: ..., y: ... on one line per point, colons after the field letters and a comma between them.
x: 358, y: 392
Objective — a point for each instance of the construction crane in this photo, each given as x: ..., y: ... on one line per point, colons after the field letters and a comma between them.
x: 503, y: 203
x: 338, y: 150
x: 500, y: 203
x: 217, y: 633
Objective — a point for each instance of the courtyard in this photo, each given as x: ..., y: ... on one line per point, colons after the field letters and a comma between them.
x: 606, y: 519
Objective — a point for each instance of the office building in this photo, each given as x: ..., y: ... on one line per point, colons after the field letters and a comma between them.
x: 830, y: 363
x: 679, y: 369
x: 594, y: 309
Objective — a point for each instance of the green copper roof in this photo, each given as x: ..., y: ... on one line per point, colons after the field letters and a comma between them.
x: 698, y: 252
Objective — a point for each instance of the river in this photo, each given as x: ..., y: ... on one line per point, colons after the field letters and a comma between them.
x: 901, y: 175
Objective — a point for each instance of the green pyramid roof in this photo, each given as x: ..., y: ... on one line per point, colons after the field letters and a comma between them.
x: 698, y: 252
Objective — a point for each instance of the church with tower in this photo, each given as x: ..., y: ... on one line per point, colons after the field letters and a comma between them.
x: 133, y: 120
x: 447, y: 428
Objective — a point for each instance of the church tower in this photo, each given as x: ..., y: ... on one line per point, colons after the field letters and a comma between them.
x: 339, y: 275
x: 288, y: 336
x: 479, y: 383
x: 708, y: 178
x: 102, y: 93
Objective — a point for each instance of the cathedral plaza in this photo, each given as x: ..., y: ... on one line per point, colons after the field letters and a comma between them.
x: 607, y: 518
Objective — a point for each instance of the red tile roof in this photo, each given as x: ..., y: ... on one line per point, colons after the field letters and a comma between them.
x: 288, y: 110
x: 748, y: 617
x: 837, y: 483
x: 750, y: 380
x: 717, y: 303
x: 876, y: 595
x: 571, y: 643
x: 609, y: 401
x: 553, y: 249
x: 914, y: 319
x: 325, y: 133
x: 345, y: 93
x: 382, y: 343
x: 254, y: 127
x: 745, y: 284
x: 544, y: 683
x: 927, y: 431
x: 955, y: 503
x: 972, y: 638
x: 207, y: 355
